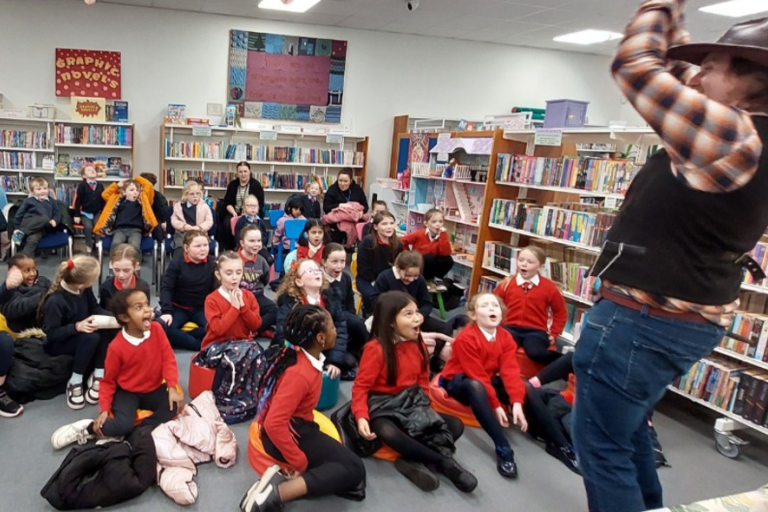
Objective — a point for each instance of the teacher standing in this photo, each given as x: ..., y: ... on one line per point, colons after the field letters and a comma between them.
x: 672, y: 266
x: 242, y: 186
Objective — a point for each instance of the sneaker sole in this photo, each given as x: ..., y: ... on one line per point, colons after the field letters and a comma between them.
x: 424, y: 480
x: 75, y: 407
x: 90, y: 400
x: 259, y: 486
x: 12, y: 415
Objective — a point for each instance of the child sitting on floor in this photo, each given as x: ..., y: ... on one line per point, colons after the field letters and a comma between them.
x: 250, y: 217
x: 36, y: 216
x: 433, y: 243
x: 288, y: 393
x: 140, y: 373
x: 480, y: 352
x: 125, y: 265
x: 186, y: 283
x: 256, y: 277
x: 20, y: 308
x: 378, y: 206
x: 66, y: 313
x: 311, y: 243
x: 334, y: 262
x: 375, y: 254
x: 9, y: 408
x: 231, y: 312
x: 88, y: 203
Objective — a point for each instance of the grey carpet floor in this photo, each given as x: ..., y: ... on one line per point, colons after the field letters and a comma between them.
x: 698, y: 471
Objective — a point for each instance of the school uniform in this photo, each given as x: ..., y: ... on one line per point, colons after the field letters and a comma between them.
x: 290, y: 434
x: 88, y: 206
x: 255, y: 278
x: 311, y: 207
x: 358, y: 333
x: 20, y: 309
x: 245, y: 220
x: 435, y: 250
x: 228, y: 323
x: 307, y: 252
x: 373, y: 258
x: 133, y: 379
x: 528, y: 303
x: 110, y: 286
x: 33, y: 218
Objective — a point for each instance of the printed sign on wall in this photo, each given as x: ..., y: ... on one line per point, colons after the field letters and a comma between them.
x: 273, y: 76
x: 88, y: 73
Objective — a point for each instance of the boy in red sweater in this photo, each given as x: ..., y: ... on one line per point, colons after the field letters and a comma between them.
x: 140, y: 373
x: 232, y: 313
x: 483, y: 373
x: 433, y: 243
x: 530, y: 298
x: 288, y: 393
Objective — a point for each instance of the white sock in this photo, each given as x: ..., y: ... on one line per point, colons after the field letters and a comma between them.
x: 98, y: 373
x: 76, y: 378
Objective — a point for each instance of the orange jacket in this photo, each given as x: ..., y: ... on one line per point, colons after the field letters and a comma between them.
x: 111, y: 195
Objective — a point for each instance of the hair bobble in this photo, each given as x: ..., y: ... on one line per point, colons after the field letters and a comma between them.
x: 291, y: 346
x: 70, y: 264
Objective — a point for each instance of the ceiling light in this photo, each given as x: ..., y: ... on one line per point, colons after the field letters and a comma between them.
x: 737, y: 8
x: 589, y: 36
x: 288, y: 5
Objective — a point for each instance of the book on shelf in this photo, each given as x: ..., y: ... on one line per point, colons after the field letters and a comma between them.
x: 588, y: 174
x: 760, y: 254
x: 94, y: 135
x: 179, y: 177
x: 267, y: 154
x: 119, y: 112
x: 501, y: 256
x: 754, y: 328
x: 577, y: 317
x: 17, y: 160
x: 65, y: 193
x: 116, y: 168
x: 48, y: 163
x: 24, y: 139
x: 177, y: 114
x: 275, y: 180
x: 13, y: 184
x: 715, y: 380
x: 88, y: 109
x: 488, y: 284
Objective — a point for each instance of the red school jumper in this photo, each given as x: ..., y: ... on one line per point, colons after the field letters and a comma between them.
x: 372, y: 374
x: 419, y: 241
x: 531, y: 309
x: 480, y: 359
x: 228, y: 323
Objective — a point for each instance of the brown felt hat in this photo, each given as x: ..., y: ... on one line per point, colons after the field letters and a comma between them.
x: 748, y: 40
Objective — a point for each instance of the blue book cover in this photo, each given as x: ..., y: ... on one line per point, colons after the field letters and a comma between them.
x: 121, y: 111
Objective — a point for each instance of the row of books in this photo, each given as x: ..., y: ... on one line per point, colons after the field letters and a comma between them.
x: 501, y: 256
x: 24, y: 139
x: 253, y: 153
x: 66, y: 193
x: 577, y: 317
x: 755, y: 329
x: 573, y: 277
x: 760, y: 255
x: 728, y: 386
x: 13, y: 183
x: 94, y: 134
x: 584, y: 227
x: 275, y: 180
x: 17, y: 160
x: 589, y: 174
x: 72, y: 166
x: 180, y: 177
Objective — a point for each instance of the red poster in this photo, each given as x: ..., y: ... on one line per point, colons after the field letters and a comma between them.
x: 290, y: 79
x: 89, y: 73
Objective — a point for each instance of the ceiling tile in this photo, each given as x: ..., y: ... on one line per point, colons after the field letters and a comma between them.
x: 508, y: 11
x: 232, y: 8
x: 183, y: 5
x: 469, y: 23
x: 338, y: 7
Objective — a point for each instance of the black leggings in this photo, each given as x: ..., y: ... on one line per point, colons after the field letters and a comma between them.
x: 535, y: 342
x: 409, y: 448
x: 88, y: 349
x: 436, y: 266
x: 124, y: 407
x: 557, y: 370
x: 267, y: 311
x: 546, y: 410
x: 331, y: 468
x: 6, y: 353
x: 471, y: 392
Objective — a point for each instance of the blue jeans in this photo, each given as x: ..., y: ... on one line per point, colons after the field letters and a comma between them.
x: 623, y: 362
x: 186, y: 340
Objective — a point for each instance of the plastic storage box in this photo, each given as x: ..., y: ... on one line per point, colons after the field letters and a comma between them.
x: 565, y: 114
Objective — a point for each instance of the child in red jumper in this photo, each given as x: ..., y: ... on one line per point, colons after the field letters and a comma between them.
x: 288, y: 393
x: 231, y: 312
x: 433, y: 243
x: 530, y: 298
x: 394, y: 362
x: 312, y: 243
x: 480, y: 352
x: 140, y: 373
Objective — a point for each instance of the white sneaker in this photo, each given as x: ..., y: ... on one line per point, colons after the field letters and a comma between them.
x: 75, y: 399
x: 259, y: 491
x: 76, y: 432
x: 92, y: 395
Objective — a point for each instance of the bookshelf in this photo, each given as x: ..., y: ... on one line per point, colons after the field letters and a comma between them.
x: 109, y: 145
x: 283, y: 161
x: 26, y: 150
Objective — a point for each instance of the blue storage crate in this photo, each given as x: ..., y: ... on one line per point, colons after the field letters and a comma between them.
x: 565, y: 114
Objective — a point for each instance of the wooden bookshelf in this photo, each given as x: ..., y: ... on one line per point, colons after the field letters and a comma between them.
x: 22, y: 159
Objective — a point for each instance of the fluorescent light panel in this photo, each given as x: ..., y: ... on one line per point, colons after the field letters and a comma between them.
x: 737, y: 8
x: 589, y: 36
x: 294, y: 6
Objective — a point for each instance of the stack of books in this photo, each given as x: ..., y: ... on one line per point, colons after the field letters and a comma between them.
x: 94, y: 134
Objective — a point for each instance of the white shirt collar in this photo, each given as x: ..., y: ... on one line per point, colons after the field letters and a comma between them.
x: 534, y: 281
x: 68, y: 289
x: 189, y: 205
x: 430, y: 237
x: 224, y: 293
x: 313, y: 300
x: 331, y: 278
x: 489, y: 336
x: 315, y: 361
x: 133, y: 340
x: 395, y: 271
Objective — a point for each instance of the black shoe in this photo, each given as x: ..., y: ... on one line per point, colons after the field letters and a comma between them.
x: 462, y: 479
x: 8, y: 406
x: 348, y: 375
x: 506, y: 466
x: 418, y: 474
x: 263, y: 496
x: 565, y: 455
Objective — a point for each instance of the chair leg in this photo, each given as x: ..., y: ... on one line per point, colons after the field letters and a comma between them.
x: 70, y: 243
x: 441, y: 305
x: 100, y: 252
x: 154, y: 265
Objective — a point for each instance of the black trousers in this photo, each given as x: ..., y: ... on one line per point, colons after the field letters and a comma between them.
x: 548, y: 414
x: 357, y: 333
x: 33, y: 227
x: 409, y: 448
x: 471, y: 392
x: 432, y: 324
x: 535, y: 342
x: 124, y: 407
x: 557, y: 370
x: 267, y: 311
x: 86, y: 349
x: 331, y: 467
x: 436, y: 266
x: 6, y: 353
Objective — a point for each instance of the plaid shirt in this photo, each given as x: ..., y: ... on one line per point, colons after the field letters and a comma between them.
x: 713, y: 147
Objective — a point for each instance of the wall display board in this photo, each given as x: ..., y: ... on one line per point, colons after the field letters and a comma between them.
x: 88, y: 73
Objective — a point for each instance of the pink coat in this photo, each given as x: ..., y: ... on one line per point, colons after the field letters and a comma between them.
x: 346, y: 216
x: 196, y: 436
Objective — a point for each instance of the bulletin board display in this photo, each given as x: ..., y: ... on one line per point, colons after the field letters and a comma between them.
x: 273, y: 76
x: 88, y: 73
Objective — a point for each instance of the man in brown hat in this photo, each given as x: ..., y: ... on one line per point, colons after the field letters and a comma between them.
x: 672, y: 266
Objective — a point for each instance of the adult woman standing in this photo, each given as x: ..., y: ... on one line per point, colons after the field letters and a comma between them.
x: 232, y: 204
x: 345, y: 190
